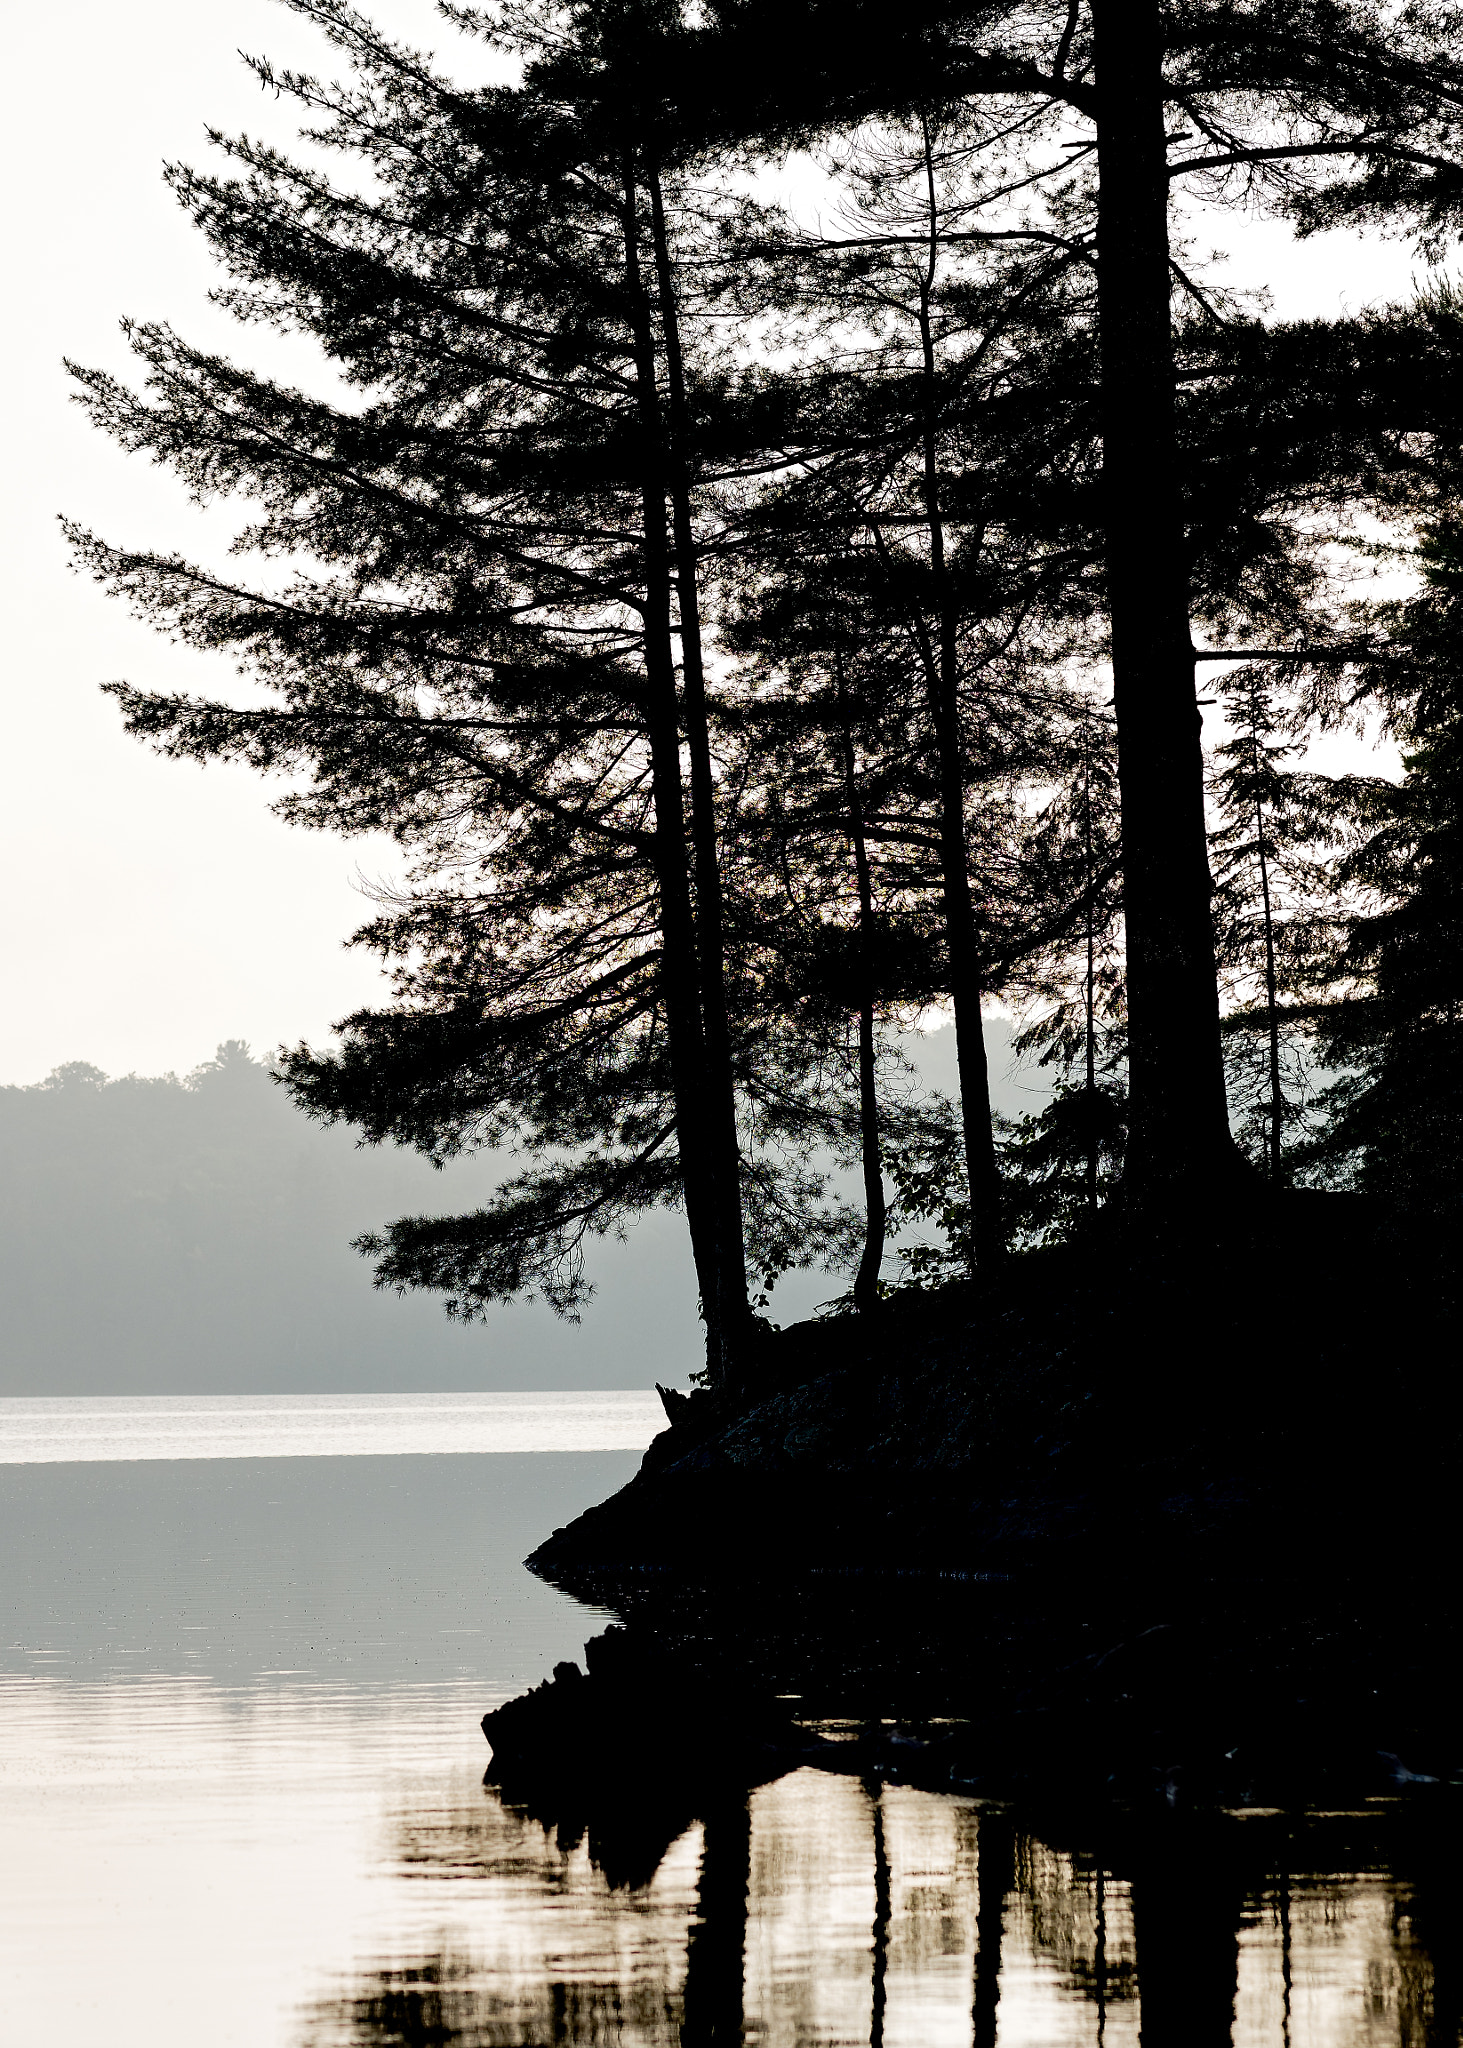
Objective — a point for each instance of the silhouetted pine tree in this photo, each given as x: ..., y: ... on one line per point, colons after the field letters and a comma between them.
x: 622, y: 899
x: 937, y: 468
x: 1400, y: 1105
x: 1275, y: 909
x: 844, y: 810
x: 1094, y: 113
x: 1059, y: 1163
x: 1064, y: 966
x: 494, y: 652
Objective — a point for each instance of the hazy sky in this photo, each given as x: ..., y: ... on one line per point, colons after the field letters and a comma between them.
x: 152, y: 909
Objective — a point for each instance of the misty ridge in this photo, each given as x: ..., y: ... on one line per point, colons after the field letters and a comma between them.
x: 192, y: 1234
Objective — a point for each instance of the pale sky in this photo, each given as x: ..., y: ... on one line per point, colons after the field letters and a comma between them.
x: 154, y: 908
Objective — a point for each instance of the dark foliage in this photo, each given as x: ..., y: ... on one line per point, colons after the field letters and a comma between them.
x: 711, y: 606
x: 1400, y: 1107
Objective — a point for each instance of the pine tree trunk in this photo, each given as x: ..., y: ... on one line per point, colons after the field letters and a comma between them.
x: 679, y: 970
x: 733, y: 1309
x: 866, y: 1280
x: 876, y: 1214
x: 1277, y: 1093
x: 1090, y: 1019
x: 961, y: 937
x: 1179, y: 1131
x: 962, y: 950
x: 963, y: 953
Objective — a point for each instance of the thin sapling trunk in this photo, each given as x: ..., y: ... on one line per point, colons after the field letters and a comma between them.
x: 1090, y: 990
x: 1277, y: 1096
x: 942, y: 675
x: 866, y: 1280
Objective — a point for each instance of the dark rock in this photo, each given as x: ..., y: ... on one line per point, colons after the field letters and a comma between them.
x: 1155, y: 1521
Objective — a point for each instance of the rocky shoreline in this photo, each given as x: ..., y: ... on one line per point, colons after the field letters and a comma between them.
x: 1168, y: 1526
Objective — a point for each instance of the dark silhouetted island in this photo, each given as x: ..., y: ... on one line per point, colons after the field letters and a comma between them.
x: 1134, y: 1518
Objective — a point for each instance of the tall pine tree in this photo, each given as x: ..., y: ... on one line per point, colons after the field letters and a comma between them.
x: 1275, y: 910
x: 491, y: 648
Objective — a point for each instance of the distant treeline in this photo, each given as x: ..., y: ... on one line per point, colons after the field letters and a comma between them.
x: 193, y: 1234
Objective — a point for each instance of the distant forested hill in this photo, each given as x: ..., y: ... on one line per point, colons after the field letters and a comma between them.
x: 194, y: 1236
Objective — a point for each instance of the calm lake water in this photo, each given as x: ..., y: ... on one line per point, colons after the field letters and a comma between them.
x: 48, y: 1432
x: 241, y: 1793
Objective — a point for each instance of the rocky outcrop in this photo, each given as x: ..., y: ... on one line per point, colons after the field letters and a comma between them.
x: 1171, y: 1519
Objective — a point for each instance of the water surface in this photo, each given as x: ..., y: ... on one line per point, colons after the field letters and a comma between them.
x: 241, y: 1801
x: 95, y: 1427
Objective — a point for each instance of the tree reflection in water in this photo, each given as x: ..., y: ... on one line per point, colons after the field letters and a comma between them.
x: 821, y: 1910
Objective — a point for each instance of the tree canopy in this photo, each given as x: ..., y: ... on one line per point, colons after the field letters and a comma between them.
x: 719, y: 606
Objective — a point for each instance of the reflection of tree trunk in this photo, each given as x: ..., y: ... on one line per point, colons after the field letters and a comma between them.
x: 1099, y: 1960
x: 1444, y: 1983
x: 993, y: 1881
x: 1427, y: 1886
x: 883, y: 1910
x: 1186, y: 1927
x: 716, y: 1955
